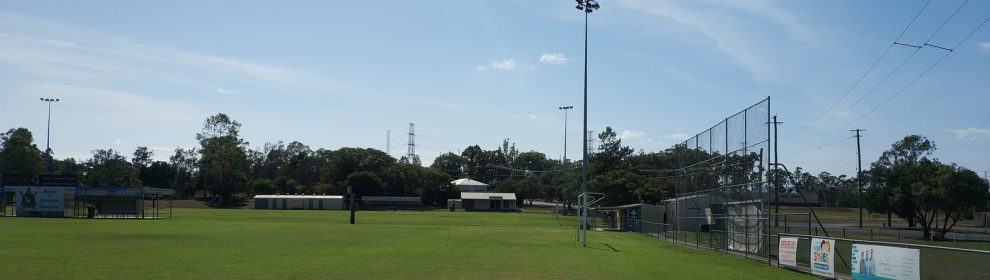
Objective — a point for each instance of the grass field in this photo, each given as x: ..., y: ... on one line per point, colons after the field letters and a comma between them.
x: 209, y: 243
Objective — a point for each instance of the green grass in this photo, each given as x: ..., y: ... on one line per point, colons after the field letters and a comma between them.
x: 209, y: 243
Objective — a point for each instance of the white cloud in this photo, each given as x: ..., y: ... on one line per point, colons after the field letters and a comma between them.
x: 630, y: 135
x: 678, y: 136
x: 971, y: 133
x: 504, y: 65
x: 553, y: 58
x: 985, y: 46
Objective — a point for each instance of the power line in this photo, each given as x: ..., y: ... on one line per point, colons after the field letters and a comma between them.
x: 917, y: 49
x: 870, y: 69
x: 921, y: 75
x: 816, y: 147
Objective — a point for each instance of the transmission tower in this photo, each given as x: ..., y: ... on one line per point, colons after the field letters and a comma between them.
x: 411, y: 150
x: 388, y: 141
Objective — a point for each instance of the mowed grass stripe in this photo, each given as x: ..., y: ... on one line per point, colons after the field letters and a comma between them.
x: 212, y: 243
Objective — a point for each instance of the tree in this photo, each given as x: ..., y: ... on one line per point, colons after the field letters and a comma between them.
x: 449, y: 163
x: 19, y: 154
x: 619, y: 186
x: 107, y: 168
x: 945, y: 197
x: 223, y: 163
x: 893, y: 174
x: 185, y: 162
x: 159, y: 174
x: 365, y: 183
x: 611, y: 154
x: 414, y: 180
x: 142, y: 157
x: 532, y: 160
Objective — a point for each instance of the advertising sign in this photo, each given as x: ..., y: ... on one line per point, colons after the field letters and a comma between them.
x: 787, y: 251
x: 36, y: 199
x: 822, y: 257
x: 873, y: 262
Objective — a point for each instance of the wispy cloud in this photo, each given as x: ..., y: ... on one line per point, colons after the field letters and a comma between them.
x: 503, y: 65
x: 971, y: 133
x: 553, y: 58
x: 631, y: 135
x: 224, y: 91
x: 985, y: 46
x: 678, y: 136
x: 722, y: 23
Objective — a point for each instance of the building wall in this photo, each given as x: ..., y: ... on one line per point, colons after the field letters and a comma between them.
x: 485, y: 205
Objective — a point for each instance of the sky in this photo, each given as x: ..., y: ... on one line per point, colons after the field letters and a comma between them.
x: 334, y: 74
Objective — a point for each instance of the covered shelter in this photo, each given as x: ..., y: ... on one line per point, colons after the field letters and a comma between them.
x: 629, y: 217
x: 120, y: 202
x: 469, y: 185
x: 481, y: 201
x: 299, y: 202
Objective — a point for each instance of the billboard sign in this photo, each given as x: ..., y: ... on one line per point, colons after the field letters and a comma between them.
x: 873, y: 262
x: 823, y: 257
x: 35, y: 199
x: 787, y: 251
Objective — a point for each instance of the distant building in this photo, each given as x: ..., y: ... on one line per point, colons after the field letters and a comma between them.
x: 469, y: 185
x: 299, y: 202
x: 391, y: 203
x: 481, y: 201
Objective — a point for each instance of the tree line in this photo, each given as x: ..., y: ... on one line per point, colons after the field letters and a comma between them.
x: 906, y: 181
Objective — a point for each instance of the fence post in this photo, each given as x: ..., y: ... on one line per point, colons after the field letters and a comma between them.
x: 787, y: 228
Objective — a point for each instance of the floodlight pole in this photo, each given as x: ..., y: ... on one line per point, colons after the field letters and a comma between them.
x: 48, y: 137
x: 587, y: 6
x: 563, y: 159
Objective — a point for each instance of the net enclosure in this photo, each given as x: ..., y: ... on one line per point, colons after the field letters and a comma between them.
x: 720, y: 184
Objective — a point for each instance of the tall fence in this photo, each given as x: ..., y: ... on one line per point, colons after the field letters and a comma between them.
x: 719, y: 188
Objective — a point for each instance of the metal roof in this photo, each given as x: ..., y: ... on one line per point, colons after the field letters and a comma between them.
x: 467, y: 182
x: 299, y: 196
x: 484, y: 195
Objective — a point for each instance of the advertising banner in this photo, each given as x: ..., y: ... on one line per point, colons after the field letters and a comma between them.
x: 823, y: 257
x: 787, y: 251
x: 35, y: 199
x: 873, y: 262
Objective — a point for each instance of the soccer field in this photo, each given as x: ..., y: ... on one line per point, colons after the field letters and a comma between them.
x: 210, y: 243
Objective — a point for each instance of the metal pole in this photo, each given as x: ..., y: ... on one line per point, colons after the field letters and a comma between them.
x: 584, y: 153
x: 776, y: 174
x: 564, y: 160
x: 351, y: 203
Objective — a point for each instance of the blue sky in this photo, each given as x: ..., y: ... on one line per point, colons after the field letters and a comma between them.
x: 333, y: 74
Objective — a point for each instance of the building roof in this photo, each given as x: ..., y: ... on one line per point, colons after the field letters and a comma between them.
x: 467, y: 182
x: 304, y: 196
x: 484, y: 195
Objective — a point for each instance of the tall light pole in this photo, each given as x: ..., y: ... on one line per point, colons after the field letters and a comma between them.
x: 563, y: 159
x: 587, y: 6
x: 48, y: 148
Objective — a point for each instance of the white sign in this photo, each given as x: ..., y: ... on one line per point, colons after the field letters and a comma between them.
x: 883, y: 262
x: 823, y: 257
x: 787, y: 251
x: 708, y: 216
x: 40, y: 199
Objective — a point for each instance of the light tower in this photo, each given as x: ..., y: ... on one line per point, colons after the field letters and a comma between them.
x: 388, y: 142
x: 586, y: 6
x: 49, y: 165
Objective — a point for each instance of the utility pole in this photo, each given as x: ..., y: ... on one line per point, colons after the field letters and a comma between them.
x: 776, y: 175
x: 859, y: 173
x: 563, y: 159
x: 49, y: 164
x: 586, y: 6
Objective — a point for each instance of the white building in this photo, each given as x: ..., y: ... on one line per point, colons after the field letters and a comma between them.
x: 480, y: 201
x: 468, y: 185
